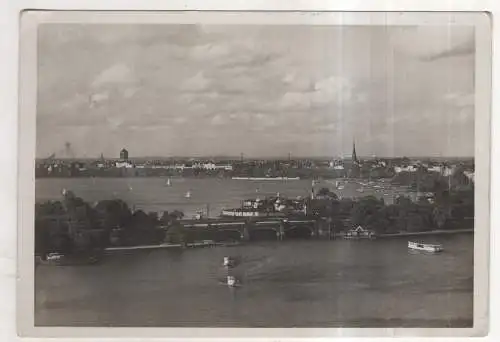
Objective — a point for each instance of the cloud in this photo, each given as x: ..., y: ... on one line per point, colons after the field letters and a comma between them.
x: 460, y: 99
x: 235, y: 80
x: 246, y: 60
x: 325, y: 92
x: 180, y: 120
x: 218, y: 120
x: 118, y: 73
x: 464, y: 49
x: 209, y: 51
x: 294, y: 81
x: 197, y: 83
x: 97, y: 98
x: 130, y: 92
x: 327, y: 128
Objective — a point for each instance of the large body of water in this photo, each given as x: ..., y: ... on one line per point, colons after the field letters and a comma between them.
x: 152, y: 194
x: 284, y: 284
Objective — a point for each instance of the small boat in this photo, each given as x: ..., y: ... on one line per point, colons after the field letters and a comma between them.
x: 188, y: 194
x: 169, y: 182
x: 54, y: 257
x: 425, y: 247
x: 227, y: 262
x: 232, y: 282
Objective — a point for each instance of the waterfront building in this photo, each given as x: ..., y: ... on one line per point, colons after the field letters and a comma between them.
x: 124, y: 164
x: 359, y: 233
x: 409, y: 168
x: 469, y: 175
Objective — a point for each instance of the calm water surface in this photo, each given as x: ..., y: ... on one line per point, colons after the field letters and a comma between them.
x: 292, y: 283
x: 284, y: 284
x: 151, y: 194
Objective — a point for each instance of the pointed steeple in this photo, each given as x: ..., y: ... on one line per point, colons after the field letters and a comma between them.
x: 354, y: 156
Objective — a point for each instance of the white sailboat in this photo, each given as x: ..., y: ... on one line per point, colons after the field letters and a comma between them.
x: 169, y: 182
x: 188, y: 194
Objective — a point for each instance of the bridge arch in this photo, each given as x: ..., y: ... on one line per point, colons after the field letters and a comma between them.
x: 228, y: 234
x: 299, y: 231
x: 264, y: 232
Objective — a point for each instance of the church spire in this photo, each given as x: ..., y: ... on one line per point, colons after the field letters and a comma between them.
x: 354, y: 156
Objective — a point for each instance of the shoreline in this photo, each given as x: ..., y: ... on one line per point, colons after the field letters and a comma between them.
x: 222, y: 244
x: 431, y: 232
x: 171, y: 245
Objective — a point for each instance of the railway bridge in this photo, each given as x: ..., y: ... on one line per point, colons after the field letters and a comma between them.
x: 250, y: 229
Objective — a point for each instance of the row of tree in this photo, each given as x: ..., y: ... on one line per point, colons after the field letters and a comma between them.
x: 73, y: 225
x: 447, y: 210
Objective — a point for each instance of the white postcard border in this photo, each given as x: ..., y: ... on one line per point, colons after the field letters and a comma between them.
x: 31, y: 20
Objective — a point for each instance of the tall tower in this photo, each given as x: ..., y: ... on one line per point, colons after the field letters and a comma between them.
x: 354, y: 156
x: 124, y: 154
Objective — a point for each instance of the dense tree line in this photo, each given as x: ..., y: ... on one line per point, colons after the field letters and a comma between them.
x: 448, y: 210
x: 73, y: 225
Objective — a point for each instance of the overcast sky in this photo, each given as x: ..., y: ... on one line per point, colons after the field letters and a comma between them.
x: 162, y: 90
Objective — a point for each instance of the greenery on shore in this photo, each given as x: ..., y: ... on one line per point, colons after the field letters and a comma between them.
x: 449, y: 210
x: 73, y: 225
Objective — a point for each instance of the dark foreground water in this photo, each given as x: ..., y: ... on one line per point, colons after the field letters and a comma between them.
x: 284, y: 284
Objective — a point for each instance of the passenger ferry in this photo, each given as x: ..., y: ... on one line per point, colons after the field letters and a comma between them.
x: 425, y: 247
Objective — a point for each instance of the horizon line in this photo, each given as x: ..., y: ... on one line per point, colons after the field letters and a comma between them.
x: 263, y: 157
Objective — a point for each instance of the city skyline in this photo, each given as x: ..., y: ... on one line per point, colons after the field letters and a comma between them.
x: 165, y: 90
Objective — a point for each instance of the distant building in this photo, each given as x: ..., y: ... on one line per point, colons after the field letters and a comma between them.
x: 124, y: 154
x: 359, y: 233
x: 469, y: 175
x: 409, y: 168
x: 336, y: 165
x: 435, y: 168
x: 124, y: 164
